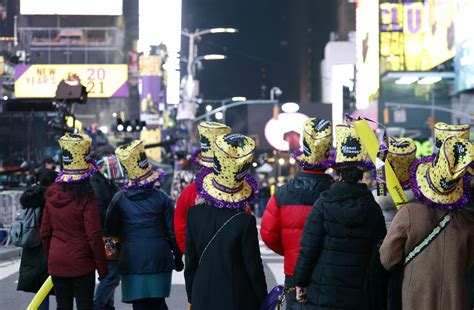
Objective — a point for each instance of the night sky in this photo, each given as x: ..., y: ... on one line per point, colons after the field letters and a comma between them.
x: 274, y: 37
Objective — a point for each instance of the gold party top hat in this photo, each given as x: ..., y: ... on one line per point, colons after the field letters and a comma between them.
x: 441, y: 181
x: 401, y: 154
x: 208, y: 132
x: 349, y: 149
x: 443, y: 130
x: 317, y: 136
x: 133, y: 158
x: 76, y: 162
x: 228, y: 184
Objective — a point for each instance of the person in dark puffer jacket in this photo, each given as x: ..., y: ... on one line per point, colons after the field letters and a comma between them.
x: 340, y: 235
x: 287, y: 211
x: 34, y: 263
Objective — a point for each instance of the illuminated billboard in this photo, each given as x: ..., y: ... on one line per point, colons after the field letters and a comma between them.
x: 464, y: 60
x: 367, y: 46
x: 165, y: 29
x: 71, y: 7
x: 41, y: 81
x: 416, y: 35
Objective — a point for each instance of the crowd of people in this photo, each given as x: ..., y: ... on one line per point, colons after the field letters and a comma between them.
x: 344, y: 246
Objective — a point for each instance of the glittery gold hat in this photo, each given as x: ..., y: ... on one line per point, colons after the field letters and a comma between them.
x: 317, y: 136
x: 228, y: 184
x: 349, y: 149
x: 443, y: 130
x: 208, y: 132
x: 401, y: 154
x: 133, y: 158
x: 441, y: 181
x: 76, y: 162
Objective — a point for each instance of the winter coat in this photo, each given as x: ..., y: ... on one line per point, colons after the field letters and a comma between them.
x: 339, y: 239
x: 230, y: 275
x: 34, y: 264
x: 435, y: 279
x: 286, y: 212
x: 186, y: 200
x: 72, y: 235
x: 143, y: 219
x: 104, y: 190
x: 181, y: 179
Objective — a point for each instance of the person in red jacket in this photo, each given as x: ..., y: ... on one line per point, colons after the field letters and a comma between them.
x: 208, y: 132
x: 286, y: 212
x: 70, y: 228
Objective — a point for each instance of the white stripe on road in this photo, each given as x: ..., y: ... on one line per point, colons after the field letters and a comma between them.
x: 9, y: 268
x: 277, y: 270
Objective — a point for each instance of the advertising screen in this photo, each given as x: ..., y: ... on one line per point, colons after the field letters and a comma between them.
x: 41, y: 81
x: 367, y: 45
x: 284, y: 131
x: 71, y: 7
x: 464, y: 60
x: 416, y: 35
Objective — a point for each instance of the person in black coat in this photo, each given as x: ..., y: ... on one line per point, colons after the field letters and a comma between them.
x: 34, y: 263
x: 340, y: 235
x: 104, y: 189
x: 223, y: 265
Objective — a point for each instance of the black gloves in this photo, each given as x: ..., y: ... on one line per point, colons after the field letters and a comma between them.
x: 178, y: 263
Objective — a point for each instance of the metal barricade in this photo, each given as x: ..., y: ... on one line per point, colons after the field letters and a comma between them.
x: 9, y: 204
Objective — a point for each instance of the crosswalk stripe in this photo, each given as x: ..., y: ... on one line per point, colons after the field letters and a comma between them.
x: 9, y: 268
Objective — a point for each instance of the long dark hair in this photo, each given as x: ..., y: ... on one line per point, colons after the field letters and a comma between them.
x: 82, y: 190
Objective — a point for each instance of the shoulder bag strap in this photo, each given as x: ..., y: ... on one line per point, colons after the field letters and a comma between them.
x: 422, y: 245
x: 217, y: 233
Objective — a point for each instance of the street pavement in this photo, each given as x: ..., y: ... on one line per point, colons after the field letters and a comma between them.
x: 11, y: 299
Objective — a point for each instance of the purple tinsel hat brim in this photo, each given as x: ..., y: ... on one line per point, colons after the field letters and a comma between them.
x: 307, y: 165
x: 222, y: 203
x: 146, y: 182
x: 64, y: 178
x: 460, y: 203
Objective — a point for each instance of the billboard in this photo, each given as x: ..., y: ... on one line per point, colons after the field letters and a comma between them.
x: 416, y: 35
x: 282, y: 132
x: 71, y: 7
x: 367, y: 48
x: 464, y: 60
x: 41, y: 81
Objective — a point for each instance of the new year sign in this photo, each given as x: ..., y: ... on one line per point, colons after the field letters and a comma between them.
x: 41, y: 81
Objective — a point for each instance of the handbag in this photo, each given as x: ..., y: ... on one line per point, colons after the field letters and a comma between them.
x: 276, y: 298
x: 112, y: 248
x: 395, y: 284
x: 217, y: 233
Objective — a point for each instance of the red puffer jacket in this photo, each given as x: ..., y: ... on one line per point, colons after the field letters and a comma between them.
x: 186, y: 200
x: 72, y: 235
x: 286, y: 212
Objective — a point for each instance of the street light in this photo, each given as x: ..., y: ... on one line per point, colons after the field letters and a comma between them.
x: 239, y: 98
x: 219, y: 116
x: 222, y: 30
x: 213, y: 57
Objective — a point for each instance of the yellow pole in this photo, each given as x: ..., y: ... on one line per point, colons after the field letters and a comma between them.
x: 41, y: 295
x: 372, y: 145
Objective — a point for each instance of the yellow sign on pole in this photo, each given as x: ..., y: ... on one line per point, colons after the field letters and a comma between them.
x: 372, y: 145
x: 41, y: 81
